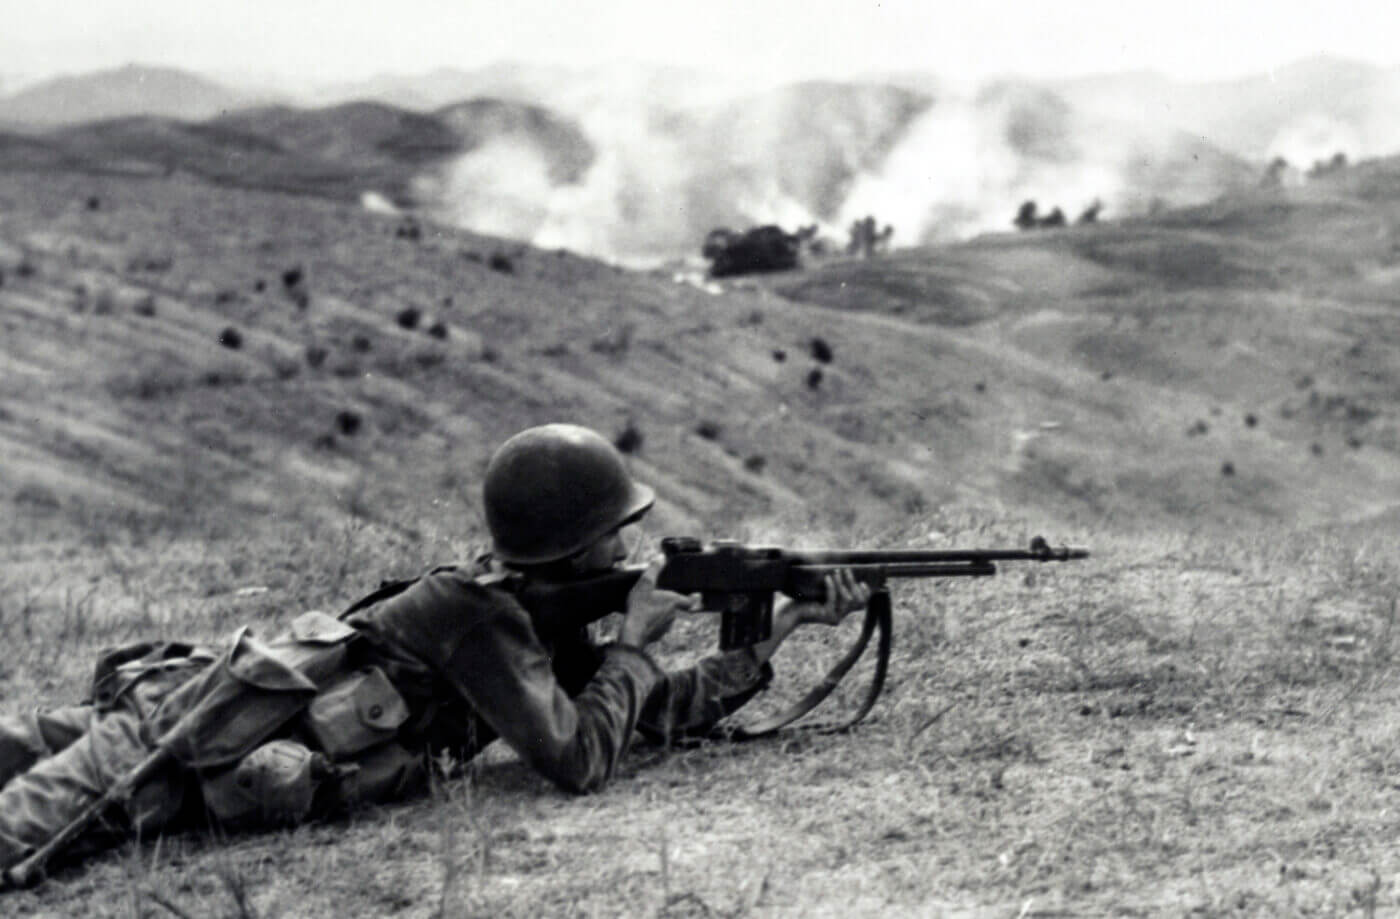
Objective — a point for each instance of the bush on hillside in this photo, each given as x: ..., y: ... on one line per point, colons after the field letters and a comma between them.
x: 759, y: 249
x: 629, y: 439
x: 348, y: 422
x: 144, y: 307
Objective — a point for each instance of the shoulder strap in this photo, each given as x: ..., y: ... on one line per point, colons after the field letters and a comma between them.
x: 387, y: 589
x: 877, y: 617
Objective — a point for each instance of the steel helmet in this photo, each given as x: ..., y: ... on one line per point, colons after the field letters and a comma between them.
x: 554, y: 490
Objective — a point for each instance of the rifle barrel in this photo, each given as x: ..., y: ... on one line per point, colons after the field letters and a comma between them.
x: 977, y: 568
x: 917, y: 556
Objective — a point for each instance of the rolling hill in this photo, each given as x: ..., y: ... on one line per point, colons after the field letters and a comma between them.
x: 220, y: 405
x: 176, y: 352
x: 133, y: 90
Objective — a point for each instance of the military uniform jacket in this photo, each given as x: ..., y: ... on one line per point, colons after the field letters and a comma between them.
x: 466, y: 657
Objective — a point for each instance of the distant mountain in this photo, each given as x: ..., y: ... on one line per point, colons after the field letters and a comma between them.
x: 1304, y: 112
x: 119, y: 93
x: 340, y: 151
x: 572, y: 91
x: 368, y: 133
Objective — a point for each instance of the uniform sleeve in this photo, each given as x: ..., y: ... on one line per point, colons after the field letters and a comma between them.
x: 690, y: 702
x: 484, y: 645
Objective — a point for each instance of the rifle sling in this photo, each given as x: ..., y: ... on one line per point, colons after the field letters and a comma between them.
x: 877, y: 616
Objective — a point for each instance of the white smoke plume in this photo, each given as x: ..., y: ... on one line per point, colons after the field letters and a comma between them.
x: 661, y: 178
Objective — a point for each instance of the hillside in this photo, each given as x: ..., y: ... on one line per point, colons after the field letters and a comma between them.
x: 1219, y: 365
x: 222, y: 405
x: 133, y: 90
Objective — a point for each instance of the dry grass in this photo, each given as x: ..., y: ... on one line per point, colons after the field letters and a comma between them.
x: 1176, y: 726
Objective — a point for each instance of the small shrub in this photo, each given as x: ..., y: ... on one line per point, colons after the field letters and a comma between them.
x: 1227, y: 469
x: 259, y: 285
x: 26, y: 269
x: 980, y: 386
x: 1250, y: 420
x: 501, y: 262
x: 94, y: 203
x: 105, y: 304
x: 1198, y: 429
x: 38, y: 496
x: 2, y: 277
x: 231, y: 338
x: 1316, y: 449
x: 629, y: 441
x: 821, y: 351
x: 324, y: 442
x: 1106, y: 375
x: 708, y: 430
x: 316, y: 355
x: 408, y: 317
x: 301, y: 297
x: 361, y: 344
x: 814, y: 378
x: 292, y: 277
x: 471, y: 256
x: 489, y: 354
x: 1354, y: 442
x: 348, y: 422
x: 447, y: 302
x: 146, y: 306
x: 755, y: 463
x: 225, y: 297
x: 779, y: 355
x: 438, y: 329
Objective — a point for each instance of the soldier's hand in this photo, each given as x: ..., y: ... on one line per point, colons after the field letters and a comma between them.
x: 844, y: 595
x: 651, y: 612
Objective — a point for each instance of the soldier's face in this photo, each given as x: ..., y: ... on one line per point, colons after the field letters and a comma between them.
x: 603, y: 554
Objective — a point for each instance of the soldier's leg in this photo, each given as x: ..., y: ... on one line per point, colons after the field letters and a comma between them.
x: 29, y: 737
x: 57, y: 789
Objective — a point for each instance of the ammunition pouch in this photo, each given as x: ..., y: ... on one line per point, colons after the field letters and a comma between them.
x: 272, y: 786
x: 359, y: 711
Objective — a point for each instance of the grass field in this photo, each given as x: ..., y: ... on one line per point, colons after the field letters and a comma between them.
x: 1195, y: 721
x: 1177, y: 726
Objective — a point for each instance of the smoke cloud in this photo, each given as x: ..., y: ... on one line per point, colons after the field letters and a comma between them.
x: 826, y: 154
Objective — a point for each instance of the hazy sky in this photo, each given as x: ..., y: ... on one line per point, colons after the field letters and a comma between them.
x: 339, y: 39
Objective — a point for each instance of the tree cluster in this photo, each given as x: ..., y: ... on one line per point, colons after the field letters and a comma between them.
x: 1028, y: 216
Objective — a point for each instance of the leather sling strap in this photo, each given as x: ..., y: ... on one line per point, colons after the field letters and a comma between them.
x: 877, y: 617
